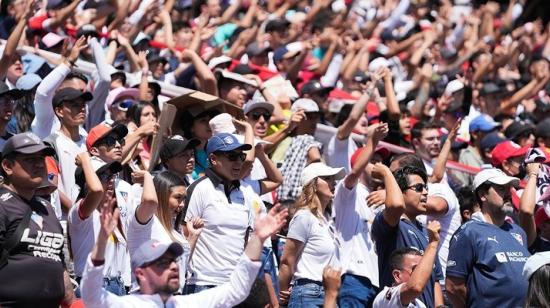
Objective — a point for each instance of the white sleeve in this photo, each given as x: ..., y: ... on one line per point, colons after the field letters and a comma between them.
x: 331, y: 76
x: 92, y: 290
x: 138, y: 233
x: 43, y: 109
x: 228, y: 294
x: 389, y: 298
x: 195, y: 206
x: 96, y: 108
x: 299, y: 228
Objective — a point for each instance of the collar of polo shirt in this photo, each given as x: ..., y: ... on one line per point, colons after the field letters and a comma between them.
x: 217, y: 180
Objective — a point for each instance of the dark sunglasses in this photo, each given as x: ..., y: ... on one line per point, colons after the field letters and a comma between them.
x: 418, y: 187
x: 125, y: 104
x: 234, y: 156
x: 255, y: 115
x: 162, y: 262
x: 110, y: 142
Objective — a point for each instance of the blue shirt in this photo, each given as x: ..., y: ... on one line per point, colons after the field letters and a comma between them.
x: 490, y: 259
x: 405, y: 234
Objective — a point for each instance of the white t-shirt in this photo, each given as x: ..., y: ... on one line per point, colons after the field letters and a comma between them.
x: 391, y: 298
x: 449, y: 221
x: 83, y: 237
x: 258, y: 173
x: 66, y: 152
x: 153, y: 229
x: 339, y: 152
x: 253, y: 189
x: 319, y: 244
x: 222, y: 240
x: 430, y: 170
x: 353, y: 221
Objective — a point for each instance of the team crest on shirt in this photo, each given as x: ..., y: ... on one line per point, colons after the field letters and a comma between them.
x: 518, y: 237
x: 5, y: 197
x: 388, y: 294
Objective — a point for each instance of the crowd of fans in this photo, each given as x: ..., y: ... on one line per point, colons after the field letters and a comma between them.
x: 347, y: 153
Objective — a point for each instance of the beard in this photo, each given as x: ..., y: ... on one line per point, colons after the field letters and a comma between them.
x: 168, y: 288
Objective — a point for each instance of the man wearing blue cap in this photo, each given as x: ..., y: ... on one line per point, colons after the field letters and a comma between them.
x: 479, y: 127
x: 221, y: 201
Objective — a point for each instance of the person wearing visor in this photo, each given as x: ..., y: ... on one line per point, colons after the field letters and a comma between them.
x: 118, y: 102
x: 219, y: 199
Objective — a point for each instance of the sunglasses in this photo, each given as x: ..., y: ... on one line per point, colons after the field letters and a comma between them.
x: 234, y: 156
x: 255, y: 115
x: 162, y: 262
x: 110, y: 142
x: 125, y: 104
x: 105, y: 176
x: 418, y: 187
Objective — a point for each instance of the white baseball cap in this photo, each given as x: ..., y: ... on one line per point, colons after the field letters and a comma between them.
x: 535, y: 262
x: 318, y: 169
x: 307, y: 104
x: 495, y: 176
x: 453, y: 86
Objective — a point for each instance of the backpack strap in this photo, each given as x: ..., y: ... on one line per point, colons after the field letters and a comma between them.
x: 15, y: 238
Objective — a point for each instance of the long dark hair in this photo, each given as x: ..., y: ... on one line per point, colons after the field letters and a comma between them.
x: 24, y: 111
x: 164, y: 182
x: 134, y: 112
x: 538, y: 294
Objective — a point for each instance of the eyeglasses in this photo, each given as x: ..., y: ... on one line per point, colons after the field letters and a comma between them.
x: 255, y: 115
x: 418, y: 187
x: 109, y: 142
x: 163, y: 262
x: 234, y: 156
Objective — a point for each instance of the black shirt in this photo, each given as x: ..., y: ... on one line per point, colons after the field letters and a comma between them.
x: 33, y: 276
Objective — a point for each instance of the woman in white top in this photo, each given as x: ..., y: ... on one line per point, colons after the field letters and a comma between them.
x: 311, y: 242
x: 157, y: 217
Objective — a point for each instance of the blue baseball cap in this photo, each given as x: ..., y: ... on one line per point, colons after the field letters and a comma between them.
x: 28, y: 81
x: 283, y: 53
x: 225, y: 142
x: 490, y: 141
x: 483, y: 123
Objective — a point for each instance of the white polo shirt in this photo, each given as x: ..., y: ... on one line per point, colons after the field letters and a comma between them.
x: 227, y: 214
x: 353, y: 220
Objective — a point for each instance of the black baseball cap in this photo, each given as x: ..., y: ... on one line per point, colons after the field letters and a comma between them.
x: 315, y: 86
x: 87, y: 30
x: 517, y: 129
x: 175, y: 145
x: 105, y: 170
x: 26, y: 143
x: 13, y: 93
x: 70, y: 94
x: 278, y: 24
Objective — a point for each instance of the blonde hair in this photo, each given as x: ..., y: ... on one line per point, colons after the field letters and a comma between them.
x: 309, y: 199
x: 164, y: 183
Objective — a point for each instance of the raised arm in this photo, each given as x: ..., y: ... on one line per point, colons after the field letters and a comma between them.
x: 375, y: 133
x: 423, y: 271
x: 62, y: 15
x: 528, y: 202
x: 345, y: 130
x: 93, y: 293
x: 274, y: 178
x: 206, y: 78
x: 439, y: 168
x: 10, y: 50
x: 94, y: 188
x: 395, y: 205
x: 149, y: 201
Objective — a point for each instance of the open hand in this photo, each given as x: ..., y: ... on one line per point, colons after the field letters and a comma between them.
x: 268, y: 224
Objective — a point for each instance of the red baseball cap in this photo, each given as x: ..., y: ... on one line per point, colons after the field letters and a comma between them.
x: 102, y: 130
x: 506, y: 150
x: 541, y: 216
